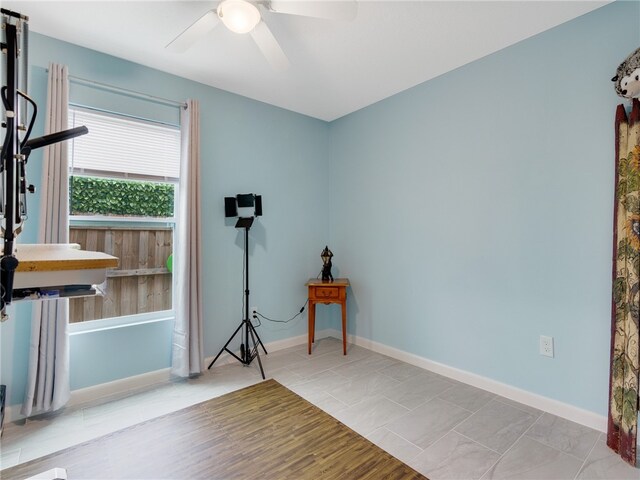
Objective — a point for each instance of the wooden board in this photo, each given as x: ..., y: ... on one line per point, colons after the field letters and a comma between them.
x: 57, y: 257
x: 55, y: 265
x: 260, y: 432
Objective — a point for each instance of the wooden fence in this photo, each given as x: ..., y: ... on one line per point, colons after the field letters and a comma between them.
x: 140, y: 284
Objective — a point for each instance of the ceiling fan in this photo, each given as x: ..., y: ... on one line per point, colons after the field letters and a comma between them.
x: 243, y: 16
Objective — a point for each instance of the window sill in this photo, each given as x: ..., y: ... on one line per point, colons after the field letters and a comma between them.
x: 80, y: 220
x: 120, y: 322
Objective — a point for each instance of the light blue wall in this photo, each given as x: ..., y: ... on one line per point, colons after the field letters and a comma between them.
x: 246, y: 146
x: 473, y: 212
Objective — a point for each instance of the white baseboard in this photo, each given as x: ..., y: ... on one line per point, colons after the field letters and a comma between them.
x: 116, y: 387
x: 11, y: 414
x: 555, y: 407
x: 83, y: 395
x: 123, y: 385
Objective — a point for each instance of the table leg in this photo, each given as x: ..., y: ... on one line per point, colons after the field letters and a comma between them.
x: 344, y: 327
x: 312, y: 324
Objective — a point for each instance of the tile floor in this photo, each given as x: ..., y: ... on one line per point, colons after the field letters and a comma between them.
x: 441, y: 427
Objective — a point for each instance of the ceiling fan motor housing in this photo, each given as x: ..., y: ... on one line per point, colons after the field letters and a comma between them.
x: 239, y: 16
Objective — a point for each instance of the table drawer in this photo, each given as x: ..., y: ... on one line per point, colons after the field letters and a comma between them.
x: 329, y: 293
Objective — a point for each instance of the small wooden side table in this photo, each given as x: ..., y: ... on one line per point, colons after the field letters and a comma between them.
x: 327, y: 292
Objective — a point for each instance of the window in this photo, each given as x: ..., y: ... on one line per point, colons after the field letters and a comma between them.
x: 123, y: 182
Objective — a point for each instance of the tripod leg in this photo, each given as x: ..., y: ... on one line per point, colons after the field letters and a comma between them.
x: 255, y: 345
x: 258, y: 337
x: 225, y: 346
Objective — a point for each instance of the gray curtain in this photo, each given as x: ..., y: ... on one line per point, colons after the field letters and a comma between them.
x: 48, y: 374
x: 187, y: 349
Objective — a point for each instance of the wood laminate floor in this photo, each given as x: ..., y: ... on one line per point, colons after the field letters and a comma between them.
x: 264, y: 431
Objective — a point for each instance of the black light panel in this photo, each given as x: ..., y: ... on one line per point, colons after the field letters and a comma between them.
x: 245, y: 200
x: 243, y: 205
x: 258, y: 206
x: 230, y: 207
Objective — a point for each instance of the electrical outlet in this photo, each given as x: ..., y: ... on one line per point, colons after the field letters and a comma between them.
x: 546, y: 346
x: 254, y: 312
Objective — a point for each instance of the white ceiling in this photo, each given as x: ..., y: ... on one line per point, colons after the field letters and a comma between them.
x: 337, y: 67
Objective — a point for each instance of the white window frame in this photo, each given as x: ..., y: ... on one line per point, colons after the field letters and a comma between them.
x: 100, y: 220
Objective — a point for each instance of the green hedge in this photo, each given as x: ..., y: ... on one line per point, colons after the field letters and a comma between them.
x: 101, y: 196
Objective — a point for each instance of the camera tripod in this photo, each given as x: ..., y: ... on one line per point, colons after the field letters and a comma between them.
x: 246, y: 328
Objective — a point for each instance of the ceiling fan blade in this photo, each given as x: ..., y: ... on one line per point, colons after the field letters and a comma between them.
x: 193, y: 33
x: 269, y: 46
x: 330, y: 10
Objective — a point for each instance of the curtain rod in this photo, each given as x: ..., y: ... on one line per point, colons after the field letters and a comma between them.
x: 133, y: 93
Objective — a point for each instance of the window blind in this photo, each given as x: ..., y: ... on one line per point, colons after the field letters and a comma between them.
x: 120, y: 145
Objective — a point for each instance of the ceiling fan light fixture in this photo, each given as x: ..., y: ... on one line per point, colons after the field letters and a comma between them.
x: 239, y: 16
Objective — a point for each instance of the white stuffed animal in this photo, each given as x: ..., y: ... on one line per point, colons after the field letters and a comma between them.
x: 627, y: 79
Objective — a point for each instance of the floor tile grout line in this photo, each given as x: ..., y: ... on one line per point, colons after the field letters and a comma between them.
x: 453, y: 404
x: 444, y: 434
x: 341, y: 401
x: 475, y: 441
x: 409, y: 410
x: 557, y: 450
x: 587, y: 457
x: 428, y: 446
x: 427, y: 400
x: 498, y: 397
x: 336, y: 399
x: 542, y: 442
x: 511, y: 446
x: 479, y: 408
x: 400, y: 436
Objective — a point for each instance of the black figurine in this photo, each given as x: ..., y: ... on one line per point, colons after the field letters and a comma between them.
x: 326, y: 265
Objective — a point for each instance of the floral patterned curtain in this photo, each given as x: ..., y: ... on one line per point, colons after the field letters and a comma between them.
x: 622, y: 428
